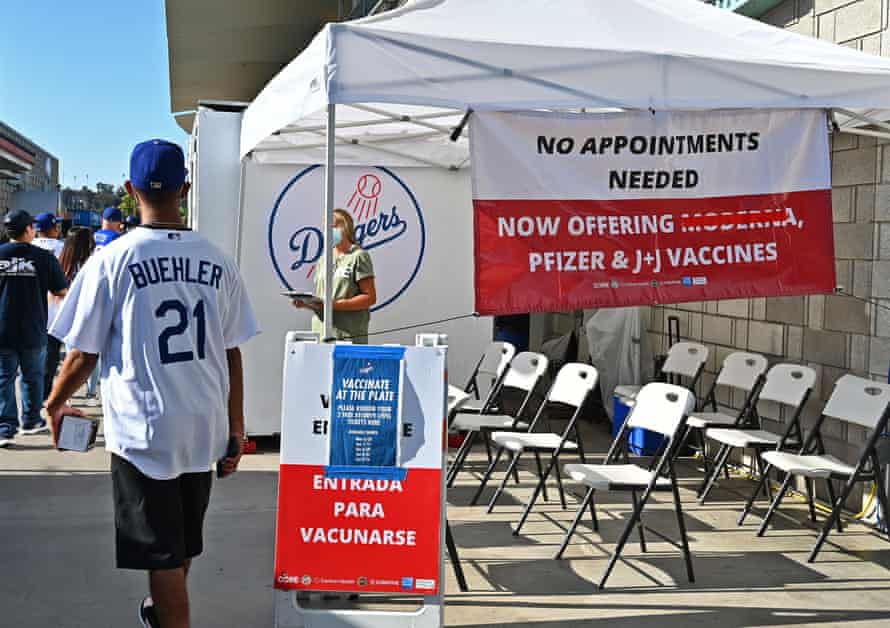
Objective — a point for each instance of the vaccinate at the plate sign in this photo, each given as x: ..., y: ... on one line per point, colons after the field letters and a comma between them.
x: 578, y: 211
x: 360, y: 492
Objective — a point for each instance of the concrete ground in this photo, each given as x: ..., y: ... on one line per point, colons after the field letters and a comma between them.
x: 57, y: 563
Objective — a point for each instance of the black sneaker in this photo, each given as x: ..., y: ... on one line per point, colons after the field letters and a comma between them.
x: 148, y: 618
x: 37, y: 428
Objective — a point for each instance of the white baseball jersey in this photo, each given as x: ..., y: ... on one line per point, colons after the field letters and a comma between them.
x: 161, y: 307
x: 55, y: 247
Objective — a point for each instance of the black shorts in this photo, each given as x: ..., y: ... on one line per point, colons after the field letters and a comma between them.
x: 158, y: 523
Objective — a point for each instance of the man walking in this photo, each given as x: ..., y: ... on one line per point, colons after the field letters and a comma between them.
x: 167, y: 311
x: 27, y: 274
x: 48, y: 231
x: 111, y: 227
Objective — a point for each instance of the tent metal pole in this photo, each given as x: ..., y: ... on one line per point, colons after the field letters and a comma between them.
x: 862, y: 118
x: 884, y: 135
x: 329, y: 175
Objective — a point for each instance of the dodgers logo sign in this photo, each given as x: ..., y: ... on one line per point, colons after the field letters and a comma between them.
x: 388, y: 225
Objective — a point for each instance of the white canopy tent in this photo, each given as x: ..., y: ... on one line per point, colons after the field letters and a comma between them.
x: 407, y: 77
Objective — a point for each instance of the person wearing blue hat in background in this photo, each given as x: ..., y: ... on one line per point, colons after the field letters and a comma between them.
x: 167, y: 311
x: 130, y: 223
x: 48, y: 232
x: 111, y: 227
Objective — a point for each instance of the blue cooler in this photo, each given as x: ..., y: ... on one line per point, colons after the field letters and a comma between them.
x: 640, y: 442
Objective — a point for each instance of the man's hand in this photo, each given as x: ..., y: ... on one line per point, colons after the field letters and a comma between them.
x: 230, y: 463
x: 55, y: 418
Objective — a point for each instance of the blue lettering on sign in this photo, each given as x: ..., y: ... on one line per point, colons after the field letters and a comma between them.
x: 382, y: 225
x: 306, y: 243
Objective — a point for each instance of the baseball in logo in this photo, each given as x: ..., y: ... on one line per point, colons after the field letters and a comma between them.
x: 388, y: 224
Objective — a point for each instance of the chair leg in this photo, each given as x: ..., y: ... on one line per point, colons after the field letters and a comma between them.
x: 593, y: 517
x: 513, y: 463
x: 830, y: 486
x: 487, y: 446
x: 767, y: 490
x: 625, y: 534
x: 581, y: 508
x: 636, y: 503
x: 541, y: 476
x: 487, y: 476
x: 811, y: 488
x: 538, y: 488
x: 764, y: 478
x: 562, y: 493
x: 687, y: 555
x: 719, y: 464
x: 775, y: 504
x: 462, y: 454
x: 882, y: 495
x: 455, y: 559
x: 703, y: 448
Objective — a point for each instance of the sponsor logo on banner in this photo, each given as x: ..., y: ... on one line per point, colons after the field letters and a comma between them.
x: 603, y: 210
x: 388, y: 220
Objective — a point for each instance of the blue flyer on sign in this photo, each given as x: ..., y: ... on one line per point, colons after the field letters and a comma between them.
x: 366, y: 406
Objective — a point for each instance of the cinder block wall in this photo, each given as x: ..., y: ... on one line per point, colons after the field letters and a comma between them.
x: 832, y: 334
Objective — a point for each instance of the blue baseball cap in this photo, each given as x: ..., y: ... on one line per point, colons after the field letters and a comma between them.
x: 45, y: 221
x: 132, y: 221
x: 157, y: 165
x: 112, y: 214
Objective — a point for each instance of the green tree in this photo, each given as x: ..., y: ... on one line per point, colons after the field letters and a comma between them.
x: 128, y: 205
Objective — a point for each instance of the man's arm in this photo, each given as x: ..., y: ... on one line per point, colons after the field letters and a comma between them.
x: 236, y: 406
x: 75, y: 371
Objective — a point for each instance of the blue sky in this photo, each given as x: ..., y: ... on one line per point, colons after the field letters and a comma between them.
x: 87, y: 81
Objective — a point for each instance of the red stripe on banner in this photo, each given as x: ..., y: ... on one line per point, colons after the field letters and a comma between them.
x: 551, y: 255
x: 371, y: 536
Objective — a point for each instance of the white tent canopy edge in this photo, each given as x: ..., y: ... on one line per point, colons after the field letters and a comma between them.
x: 424, y: 65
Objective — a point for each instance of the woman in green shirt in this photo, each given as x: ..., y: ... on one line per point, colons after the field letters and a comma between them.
x: 354, y: 292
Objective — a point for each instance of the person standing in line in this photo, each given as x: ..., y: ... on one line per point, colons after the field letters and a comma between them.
x: 111, y: 227
x: 27, y: 274
x: 48, y: 232
x: 354, y: 291
x: 75, y: 253
x: 167, y: 311
x: 131, y: 223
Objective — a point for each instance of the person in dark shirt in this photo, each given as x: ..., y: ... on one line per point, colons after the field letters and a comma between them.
x: 27, y: 274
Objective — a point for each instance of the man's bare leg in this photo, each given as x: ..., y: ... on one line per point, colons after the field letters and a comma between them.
x: 170, y: 597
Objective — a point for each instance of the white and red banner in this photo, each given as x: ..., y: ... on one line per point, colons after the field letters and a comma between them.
x: 577, y: 211
x: 379, y: 534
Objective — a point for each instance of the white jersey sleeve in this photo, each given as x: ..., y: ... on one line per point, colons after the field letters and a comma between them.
x: 85, y: 316
x: 239, y: 321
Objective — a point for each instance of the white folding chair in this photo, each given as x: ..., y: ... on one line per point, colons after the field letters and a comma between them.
x: 786, y: 384
x: 572, y: 387
x: 523, y: 375
x: 854, y: 400
x: 684, y: 360
x: 739, y: 371
x: 488, y: 372
x: 661, y: 408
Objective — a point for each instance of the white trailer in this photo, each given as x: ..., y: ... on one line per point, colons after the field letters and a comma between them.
x: 267, y: 210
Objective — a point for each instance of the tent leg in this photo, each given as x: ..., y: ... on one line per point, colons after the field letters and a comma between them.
x: 329, y: 175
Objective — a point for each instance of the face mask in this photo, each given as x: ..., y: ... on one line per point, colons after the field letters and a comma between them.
x: 336, y: 236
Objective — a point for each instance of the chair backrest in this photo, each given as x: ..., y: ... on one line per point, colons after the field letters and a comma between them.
x: 661, y: 408
x: 496, y: 359
x: 573, y: 383
x: 858, y: 400
x: 525, y: 371
x: 789, y: 384
x: 685, y: 359
x: 742, y: 370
